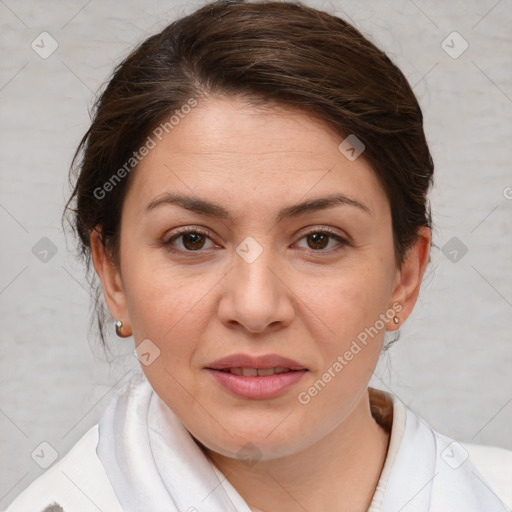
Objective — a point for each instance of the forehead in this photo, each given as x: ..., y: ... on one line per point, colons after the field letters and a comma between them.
x: 232, y: 152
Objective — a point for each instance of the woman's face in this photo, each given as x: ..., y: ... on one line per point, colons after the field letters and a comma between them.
x: 290, y: 265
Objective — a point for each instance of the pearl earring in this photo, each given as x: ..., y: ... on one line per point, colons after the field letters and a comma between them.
x: 119, y: 325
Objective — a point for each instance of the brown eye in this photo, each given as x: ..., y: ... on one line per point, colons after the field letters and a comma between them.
x: 193, y: 241
x: 323, y: 240
x: 189, y: 240
x: 318, y: 240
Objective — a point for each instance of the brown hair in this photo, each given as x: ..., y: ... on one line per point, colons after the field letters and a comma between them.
x: 273, y: 52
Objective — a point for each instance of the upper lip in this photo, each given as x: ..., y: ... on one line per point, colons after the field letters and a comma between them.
x: 258, y: 362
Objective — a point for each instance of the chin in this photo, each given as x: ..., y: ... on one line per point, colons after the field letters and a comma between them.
x: 254, y: 440
x: 249, y: 450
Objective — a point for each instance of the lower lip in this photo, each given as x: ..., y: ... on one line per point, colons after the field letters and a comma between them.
x: 258, y: 388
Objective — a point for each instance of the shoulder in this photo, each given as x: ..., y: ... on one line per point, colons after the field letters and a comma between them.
x: 431, y: 471
x: 480, y: 474
x: 77, y: 482
x: 495, y: 465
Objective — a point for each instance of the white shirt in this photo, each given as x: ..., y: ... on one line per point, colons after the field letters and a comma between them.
x: 112, y: 468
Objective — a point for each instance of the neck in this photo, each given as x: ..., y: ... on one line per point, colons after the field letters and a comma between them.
x: 340, y: 472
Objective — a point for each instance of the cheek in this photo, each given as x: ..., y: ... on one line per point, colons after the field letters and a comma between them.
x: 346, y: 323
x: 163, y: 300
x: 172, y: 311
x: 349, y: 340
x: 348, y: 301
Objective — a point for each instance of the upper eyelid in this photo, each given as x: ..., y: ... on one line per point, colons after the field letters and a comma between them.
x: 190, y: 229
x: 206, y: 232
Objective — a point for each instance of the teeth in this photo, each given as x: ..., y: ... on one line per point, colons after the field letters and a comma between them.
x: 253, y: 372
x: 266, y: 371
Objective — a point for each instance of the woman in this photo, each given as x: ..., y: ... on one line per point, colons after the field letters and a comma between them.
x: 252, y: 193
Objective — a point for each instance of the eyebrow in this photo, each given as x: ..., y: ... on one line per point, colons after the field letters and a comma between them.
x: 210, y: 209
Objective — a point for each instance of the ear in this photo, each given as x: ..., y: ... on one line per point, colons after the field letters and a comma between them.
x: 409, y: 276
x: 110, y: 277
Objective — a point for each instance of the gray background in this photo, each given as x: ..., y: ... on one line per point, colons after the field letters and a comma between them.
x: 452, y: 364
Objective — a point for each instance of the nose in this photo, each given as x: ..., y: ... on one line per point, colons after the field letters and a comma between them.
x: 255, y: 296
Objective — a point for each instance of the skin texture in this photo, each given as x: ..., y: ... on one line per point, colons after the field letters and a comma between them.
x: 300, y: 298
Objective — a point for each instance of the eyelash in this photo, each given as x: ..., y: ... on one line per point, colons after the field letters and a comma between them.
x: 324, y: 231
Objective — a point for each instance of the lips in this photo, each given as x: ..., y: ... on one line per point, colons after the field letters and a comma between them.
x: 256, y: 377
x: 265, y: 362
x: 256, y: 372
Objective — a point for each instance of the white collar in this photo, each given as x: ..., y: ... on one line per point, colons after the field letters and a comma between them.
x: 154, y: 464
